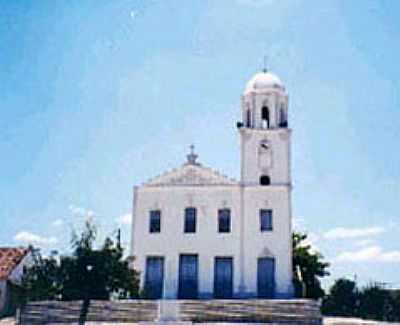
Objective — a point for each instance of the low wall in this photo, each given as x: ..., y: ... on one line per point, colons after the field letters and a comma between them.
x: 196, y: 311
x: 68, y: 312
x: 251, y: 311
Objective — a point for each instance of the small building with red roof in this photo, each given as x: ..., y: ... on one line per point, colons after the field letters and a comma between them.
x: 12, y: 262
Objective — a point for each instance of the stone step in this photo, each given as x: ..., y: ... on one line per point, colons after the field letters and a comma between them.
x: 185, y: 311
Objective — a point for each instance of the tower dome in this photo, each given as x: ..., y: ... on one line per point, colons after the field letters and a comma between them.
x: 263, y: 81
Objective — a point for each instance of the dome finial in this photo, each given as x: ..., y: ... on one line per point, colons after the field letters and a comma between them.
x: 265, y: 64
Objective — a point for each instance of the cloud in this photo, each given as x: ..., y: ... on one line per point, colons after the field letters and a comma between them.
x: 370, y: 254
x: 393, y: 225
x: 133, y: 14
x: 311, y: 241
x: 30, y: 238
x: 81, y: 212
x: 57, y: 223
x: 125, y: 219
x: 343, y: 233
x: 364, y: 242
x: 299, y: 223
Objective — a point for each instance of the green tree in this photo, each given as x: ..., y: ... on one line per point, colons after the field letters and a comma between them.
x: 42, y: 280
x: 88, y: 273
x: 396, y: 306
x: 308, y: 268
x: 376, y: 302
x: 342, y: 299
x: 370, y: 302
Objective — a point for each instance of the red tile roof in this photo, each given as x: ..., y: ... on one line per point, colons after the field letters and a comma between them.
x: 9, y: 259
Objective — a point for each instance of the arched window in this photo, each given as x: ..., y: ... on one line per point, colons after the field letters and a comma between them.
x: 265, y: 180
x: 248, y: 118
x: 282, y: 117
x: 265, y: 117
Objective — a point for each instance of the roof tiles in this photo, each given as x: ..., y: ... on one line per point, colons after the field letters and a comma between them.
x: 9, y: 260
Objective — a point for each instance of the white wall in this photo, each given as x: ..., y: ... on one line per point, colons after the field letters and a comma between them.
x: 277, y: 164
x: 207, y: 242
x: 275, y: 243
x: 172, y: 241
x: 18, y: 272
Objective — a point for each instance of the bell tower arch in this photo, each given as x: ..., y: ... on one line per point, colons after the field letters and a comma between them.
x: 264, y: 132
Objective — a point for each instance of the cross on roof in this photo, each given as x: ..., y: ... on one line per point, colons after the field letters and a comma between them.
x: 191, y: 157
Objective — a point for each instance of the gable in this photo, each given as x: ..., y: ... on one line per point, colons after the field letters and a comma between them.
x: 191, y: 175
x: 9, y: 260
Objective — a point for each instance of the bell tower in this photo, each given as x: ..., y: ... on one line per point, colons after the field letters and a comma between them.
x: 264, y: 132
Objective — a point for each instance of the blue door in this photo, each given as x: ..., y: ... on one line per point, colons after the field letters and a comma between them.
x: 188, y: 277
x: 223, y: 278
x: 266, y: 277
x: 154, y: 277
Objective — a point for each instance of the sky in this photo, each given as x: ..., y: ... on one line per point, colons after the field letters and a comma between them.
x: 99, y: 96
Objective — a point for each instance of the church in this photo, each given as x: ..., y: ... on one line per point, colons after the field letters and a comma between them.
x: 198, y: 234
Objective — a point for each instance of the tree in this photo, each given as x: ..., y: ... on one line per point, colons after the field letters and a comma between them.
x: 376, y: 302
x: 88, y: 273
x: 395, y: 316
x: 308, y: 267
x: 373, y: 301
x: 342, y: 299
x: 42, y: 280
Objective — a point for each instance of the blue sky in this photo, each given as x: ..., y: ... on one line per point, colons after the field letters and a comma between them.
x: 96, y: 96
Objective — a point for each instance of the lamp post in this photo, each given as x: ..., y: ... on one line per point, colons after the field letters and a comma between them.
x: 86, y: 299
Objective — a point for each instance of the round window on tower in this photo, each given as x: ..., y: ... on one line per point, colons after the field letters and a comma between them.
x: 265, y: 180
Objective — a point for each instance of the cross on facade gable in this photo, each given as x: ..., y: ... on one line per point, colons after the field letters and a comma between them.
x: 191, y: 157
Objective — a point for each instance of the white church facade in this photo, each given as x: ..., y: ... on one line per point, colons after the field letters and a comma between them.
x: 199, y: 234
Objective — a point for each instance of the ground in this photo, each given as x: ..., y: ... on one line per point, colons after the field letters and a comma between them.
x: 7, y: 321
x: 327, y: 321
x: 350, y: 321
